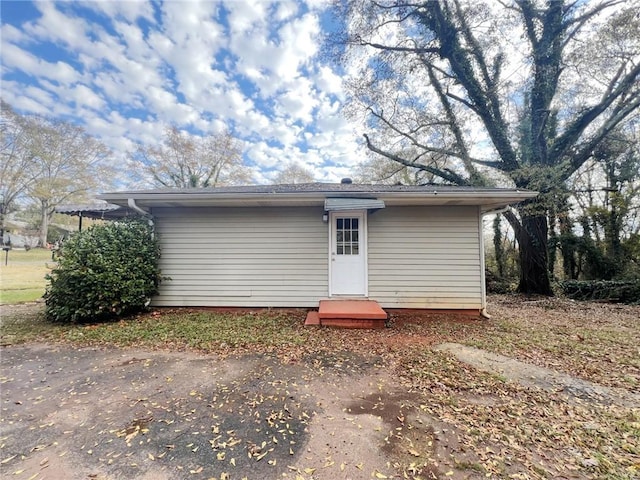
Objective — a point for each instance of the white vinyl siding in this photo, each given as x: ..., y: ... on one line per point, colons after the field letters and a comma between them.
x: 425, y: 257
x: 418, y: 257
x: 242, y: 257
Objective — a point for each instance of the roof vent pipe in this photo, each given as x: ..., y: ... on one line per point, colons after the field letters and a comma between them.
x: 346, y: 181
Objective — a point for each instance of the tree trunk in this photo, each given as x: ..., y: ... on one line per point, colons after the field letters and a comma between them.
x: 552, y: 246
x: 532, y: 238
x: 499, y: 247
x: 44, y: 223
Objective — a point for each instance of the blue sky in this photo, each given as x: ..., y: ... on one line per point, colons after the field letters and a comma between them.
x: 125, y: 70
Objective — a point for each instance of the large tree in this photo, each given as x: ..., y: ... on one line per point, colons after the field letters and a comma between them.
x: 17, y: 170
x: 189, y: 161
x: 68, y: 163
x: 514, y: 92
x: 47, y: 162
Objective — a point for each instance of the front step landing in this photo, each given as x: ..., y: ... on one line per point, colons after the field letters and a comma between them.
x: 348, y: 314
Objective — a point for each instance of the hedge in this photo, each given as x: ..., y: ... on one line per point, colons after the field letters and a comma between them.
x: 603, y: 290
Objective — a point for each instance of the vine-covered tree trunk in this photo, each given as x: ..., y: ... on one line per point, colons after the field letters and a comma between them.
x: 532, y: 238
x: 499, y: 247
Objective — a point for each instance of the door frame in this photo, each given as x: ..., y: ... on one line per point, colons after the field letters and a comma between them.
x: 363, y: 234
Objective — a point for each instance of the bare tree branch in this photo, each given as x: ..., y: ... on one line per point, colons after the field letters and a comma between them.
x: 445, y: 174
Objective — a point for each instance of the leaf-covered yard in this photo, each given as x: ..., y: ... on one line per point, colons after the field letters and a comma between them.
x: 450, y: 419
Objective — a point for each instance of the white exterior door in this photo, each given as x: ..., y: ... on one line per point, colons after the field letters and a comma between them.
x: 347, y: 254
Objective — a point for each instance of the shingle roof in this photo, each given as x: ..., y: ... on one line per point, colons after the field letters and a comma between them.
x: 314, y: 194
x: 311, y: 188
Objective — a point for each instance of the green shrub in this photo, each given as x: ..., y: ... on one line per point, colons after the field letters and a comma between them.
x: 103, y: 272
x: 604, y: 290
x: 497, y: 284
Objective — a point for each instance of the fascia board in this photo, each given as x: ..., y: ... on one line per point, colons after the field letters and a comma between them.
x: 488, y: 200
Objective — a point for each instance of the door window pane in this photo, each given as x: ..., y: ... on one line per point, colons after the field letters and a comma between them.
x: 347, y: 236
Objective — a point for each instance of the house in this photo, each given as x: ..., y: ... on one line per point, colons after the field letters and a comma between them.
x: 295, y: 245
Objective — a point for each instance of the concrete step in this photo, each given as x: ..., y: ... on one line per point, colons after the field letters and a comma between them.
x: 348, y: 314
x: 353, y: 309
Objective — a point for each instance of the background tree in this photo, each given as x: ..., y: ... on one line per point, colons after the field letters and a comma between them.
x: 17, y: 170
x: 48, y: 163
x: 186, y: 161
x: 294, y: 173
x: 69, y: 164
x: 521, y: 88
x: 607, y: 203
x: 498, y: 246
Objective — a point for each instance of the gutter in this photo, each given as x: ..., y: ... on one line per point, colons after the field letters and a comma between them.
x: 131, y: 202
x: 495, y: 211
x: 519, y: 195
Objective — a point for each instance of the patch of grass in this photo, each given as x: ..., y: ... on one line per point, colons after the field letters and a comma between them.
x: 21, y: 296
x: 22, y: 279
x: 204, y: 331
x: 27, y: 323
x: 465, y: 465
x: 580, y: 338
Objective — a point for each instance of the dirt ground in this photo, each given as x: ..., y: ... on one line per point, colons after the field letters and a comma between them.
x: 90, y: 413
x: 379, y: 404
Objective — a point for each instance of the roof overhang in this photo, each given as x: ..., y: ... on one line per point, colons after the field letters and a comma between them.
x: 339, y: 204
x: 487, y: 200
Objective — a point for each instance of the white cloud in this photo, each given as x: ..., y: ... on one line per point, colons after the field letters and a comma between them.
x: 128, y: 10
x: 56, y: 26
x: 126, y: 77
x: 329, y: 82
x: 298, y: 44
x: 11, y: 34
x: 285, y: 10
x: 246, y: 16
x: 16, y: 57
x: 84, y: 96
x: 299, y: 102
x: 31, y: 99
